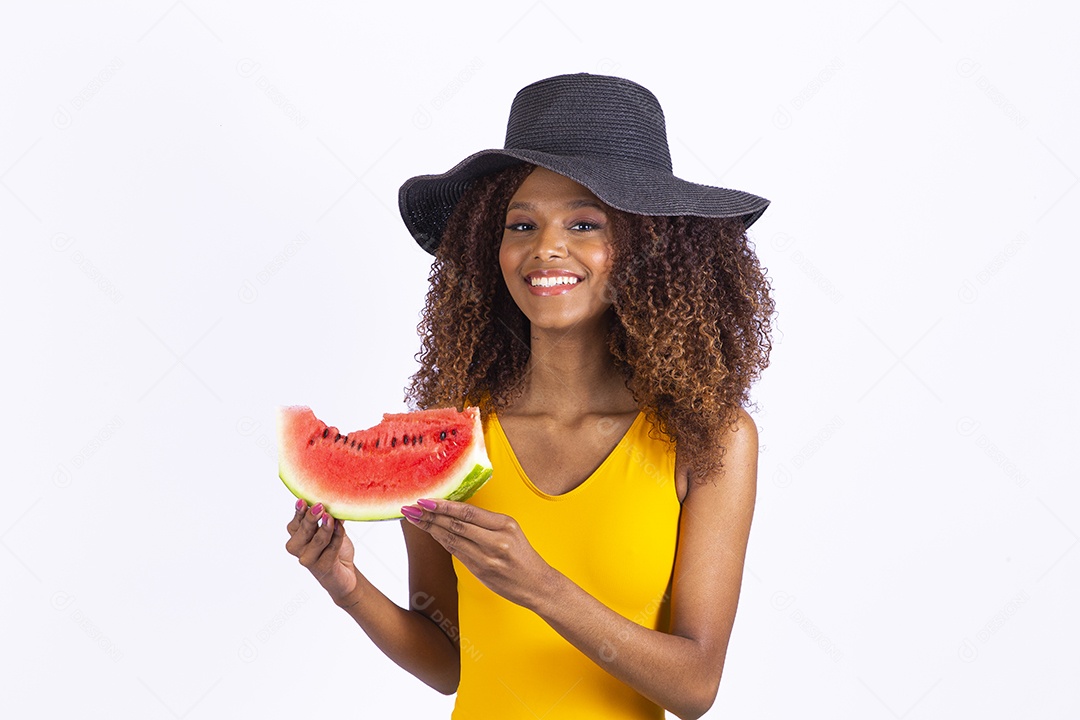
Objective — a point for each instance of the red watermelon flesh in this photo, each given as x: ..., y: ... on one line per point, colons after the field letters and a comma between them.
x: 370, y: 474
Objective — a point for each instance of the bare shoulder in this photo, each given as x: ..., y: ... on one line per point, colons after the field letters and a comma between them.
x: 740, y: 441
x: 741, y: 446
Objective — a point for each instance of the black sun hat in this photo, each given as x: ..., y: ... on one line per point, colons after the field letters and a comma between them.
x: 606, y: 133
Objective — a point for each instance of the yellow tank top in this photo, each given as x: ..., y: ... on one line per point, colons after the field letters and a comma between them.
x: 615, y: 536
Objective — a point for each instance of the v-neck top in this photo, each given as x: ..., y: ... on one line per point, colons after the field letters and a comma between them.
x: 615, y: 536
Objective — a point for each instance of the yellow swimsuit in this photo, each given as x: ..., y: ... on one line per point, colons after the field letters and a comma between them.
x: 615, y: 536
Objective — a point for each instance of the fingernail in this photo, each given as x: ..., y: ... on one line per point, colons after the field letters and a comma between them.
x: 299, y: 504
x: 317, y: 509
x: 426, y: 504
x: 323, y: 520
x: 412, y: 513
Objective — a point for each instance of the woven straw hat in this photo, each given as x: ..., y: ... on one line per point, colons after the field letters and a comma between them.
x: 603, y: 132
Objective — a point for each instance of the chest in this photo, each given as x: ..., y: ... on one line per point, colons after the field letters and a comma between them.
x: 592, y: 502
x: 558, y: 458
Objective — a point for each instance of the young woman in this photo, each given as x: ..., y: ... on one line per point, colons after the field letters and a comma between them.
x: 607, y: 318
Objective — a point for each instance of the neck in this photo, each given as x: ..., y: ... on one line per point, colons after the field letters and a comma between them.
x: 571, y: 373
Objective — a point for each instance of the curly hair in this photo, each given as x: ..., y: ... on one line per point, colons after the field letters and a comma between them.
x: 690, y: 331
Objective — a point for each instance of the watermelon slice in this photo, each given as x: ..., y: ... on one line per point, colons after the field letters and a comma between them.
x: 370, y: 474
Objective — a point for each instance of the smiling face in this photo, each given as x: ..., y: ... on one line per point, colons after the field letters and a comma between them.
x: 556, y: 251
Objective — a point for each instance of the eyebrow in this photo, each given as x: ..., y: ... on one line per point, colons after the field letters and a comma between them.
x: 572, y: 205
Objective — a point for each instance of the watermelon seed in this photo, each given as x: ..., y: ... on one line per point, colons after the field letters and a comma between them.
x: 442, y: 435
x: 338, y: 437
x: 453, y: 432
x: 354, y: 442
x: 376, y: 442
x: 311, y: 441
x: 325, y: 432
x: 393, y: 441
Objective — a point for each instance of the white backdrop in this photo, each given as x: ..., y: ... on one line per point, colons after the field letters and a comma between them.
x: 198, y: 207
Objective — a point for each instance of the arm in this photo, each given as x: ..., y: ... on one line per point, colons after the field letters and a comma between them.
x: 680, y: 670
x: 409, y: 637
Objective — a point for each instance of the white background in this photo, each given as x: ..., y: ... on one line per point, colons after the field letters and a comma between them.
x: 199, y: 219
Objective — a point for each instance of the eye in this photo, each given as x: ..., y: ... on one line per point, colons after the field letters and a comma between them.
x: 586, y: 226
x: 518, y: 227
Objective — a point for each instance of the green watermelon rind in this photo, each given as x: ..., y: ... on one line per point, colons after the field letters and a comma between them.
x: 472, y: 482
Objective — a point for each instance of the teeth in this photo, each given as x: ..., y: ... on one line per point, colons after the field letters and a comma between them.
x: 553, y: 281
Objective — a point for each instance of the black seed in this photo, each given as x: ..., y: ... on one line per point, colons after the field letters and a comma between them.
x: 325, y: 432
x: 361, y: 445
x: 338, y: 437
x: 353, y: 442
x: 393, y: 441
x: 311, y: 441
x: 453, y: 432
x: 421, y: 439
x: 376, y: 442
x: 442, y: 435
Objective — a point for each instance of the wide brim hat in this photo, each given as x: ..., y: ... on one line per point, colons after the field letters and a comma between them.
x: 606, y: 133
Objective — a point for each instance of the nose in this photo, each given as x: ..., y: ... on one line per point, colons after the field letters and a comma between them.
x: 550, y: 242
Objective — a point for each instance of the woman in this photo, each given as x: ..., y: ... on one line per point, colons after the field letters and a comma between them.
x: 608, y: 319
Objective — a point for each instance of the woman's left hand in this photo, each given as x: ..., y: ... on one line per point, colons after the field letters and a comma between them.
x: 491, y: 545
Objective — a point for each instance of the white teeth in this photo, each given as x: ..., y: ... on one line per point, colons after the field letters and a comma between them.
x: 553, y: 281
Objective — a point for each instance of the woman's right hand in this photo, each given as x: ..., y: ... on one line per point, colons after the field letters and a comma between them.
x: 325, y: 550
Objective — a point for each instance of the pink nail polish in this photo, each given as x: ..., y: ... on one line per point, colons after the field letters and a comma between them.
x: 324, y: 520
x: 426, y: 504
x: 299, y: 504
x: 412, y: 513
x: 317, y: 509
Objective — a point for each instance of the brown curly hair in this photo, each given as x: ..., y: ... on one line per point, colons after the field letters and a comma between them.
x: 690, y: 331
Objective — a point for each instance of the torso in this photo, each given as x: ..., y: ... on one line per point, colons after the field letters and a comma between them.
x: 559, y: 472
